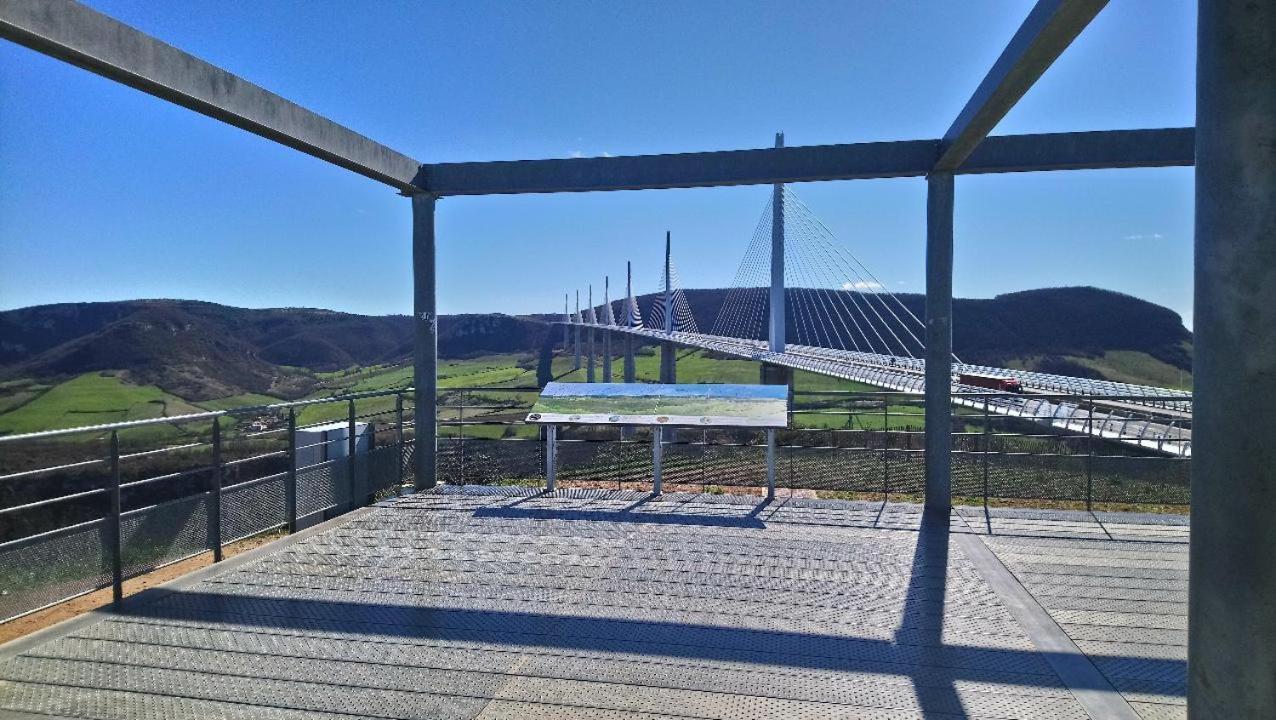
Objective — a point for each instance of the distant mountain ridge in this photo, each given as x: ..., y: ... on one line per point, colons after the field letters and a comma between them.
x: 200, y: 350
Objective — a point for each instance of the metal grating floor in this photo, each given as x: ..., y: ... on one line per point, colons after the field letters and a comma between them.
x: 483, y: 603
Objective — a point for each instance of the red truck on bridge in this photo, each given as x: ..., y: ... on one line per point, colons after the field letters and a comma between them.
x: 991, y: 382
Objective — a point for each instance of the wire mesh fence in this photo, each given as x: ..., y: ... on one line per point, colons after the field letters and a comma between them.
x: 87, y: 508
x: 90, y: 508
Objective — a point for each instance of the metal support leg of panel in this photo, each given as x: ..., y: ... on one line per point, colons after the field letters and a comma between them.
x: 425, y: 349
x: 770, y: 464
x: 657, y: 457
x: 1232, y: 587
x: 939, y: 340
x: 551, y: 456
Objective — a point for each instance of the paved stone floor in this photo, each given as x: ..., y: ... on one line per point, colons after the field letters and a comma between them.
x: 603, y: 605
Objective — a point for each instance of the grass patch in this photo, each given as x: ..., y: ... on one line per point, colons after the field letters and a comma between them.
x: 1137, y: 368
x: 96, y: 398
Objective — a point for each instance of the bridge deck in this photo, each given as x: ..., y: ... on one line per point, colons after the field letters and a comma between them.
x: 614, y: 605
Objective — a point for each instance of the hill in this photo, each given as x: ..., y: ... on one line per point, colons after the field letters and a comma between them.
x: 198, y: 351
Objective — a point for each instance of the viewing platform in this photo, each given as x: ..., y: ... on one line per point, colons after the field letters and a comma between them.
x: 501, y: 602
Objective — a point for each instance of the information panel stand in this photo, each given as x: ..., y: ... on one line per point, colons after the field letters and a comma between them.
x: 659, y: 407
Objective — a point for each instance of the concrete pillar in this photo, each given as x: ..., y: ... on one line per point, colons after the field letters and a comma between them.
x: 426, y: 345
x: 589, y: 363
x: 939, y: 340
x: 668, y: 363
x: 776, y: 328
x: 606, y: 356
x: 630, y: 370
x: 770, y: 374
x: 1232, y: 590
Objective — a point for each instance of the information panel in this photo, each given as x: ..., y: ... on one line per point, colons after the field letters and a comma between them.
x: 644, y: 404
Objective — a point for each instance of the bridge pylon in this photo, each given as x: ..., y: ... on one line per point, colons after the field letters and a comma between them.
x: 668, y: 352
x: 593, y: 320
x: 607, y: 330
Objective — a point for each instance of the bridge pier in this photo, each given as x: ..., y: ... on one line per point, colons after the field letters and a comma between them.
x: 607, y: 356
x: 425, y: 349
x: 630, y: 369
x: 776, y: 375
x: 589, y: 372
x: 1232, y: 593
x: 668, y: 363
x: 939, y: 341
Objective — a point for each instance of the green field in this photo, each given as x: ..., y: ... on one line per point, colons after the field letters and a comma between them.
x: 93, y: 399
x: 96, y: 398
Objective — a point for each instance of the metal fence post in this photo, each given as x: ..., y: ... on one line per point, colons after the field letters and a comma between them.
x: 704, y: 453
x: 551, y: 456
x: 1089, y: 459
x: 215, y: 495
x: 351, y: 448
x: 987, y: 441
x: 886, y: 448
x: 117, y: 534
x: 460, y: 432
x: 290, y: 486
x: 657, y: 455
x: 398, y: 434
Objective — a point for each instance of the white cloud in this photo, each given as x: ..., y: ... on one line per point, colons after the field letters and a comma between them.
x: 861, y: 285
x: 1145, y: 236
x: 607, y: 154
x: 577, y: 154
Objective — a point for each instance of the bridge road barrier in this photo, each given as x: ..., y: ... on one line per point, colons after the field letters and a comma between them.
x: 1166, y: 434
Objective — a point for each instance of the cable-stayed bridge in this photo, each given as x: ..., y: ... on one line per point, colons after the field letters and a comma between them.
x: 834, y: 317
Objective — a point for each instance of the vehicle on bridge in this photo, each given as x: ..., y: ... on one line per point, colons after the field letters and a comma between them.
x: 991, y: 382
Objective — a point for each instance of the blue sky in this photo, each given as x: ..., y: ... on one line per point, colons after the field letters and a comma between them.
x: 106, y: 193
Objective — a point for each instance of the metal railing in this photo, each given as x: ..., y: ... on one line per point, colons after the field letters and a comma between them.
x: 1041, y: 449
x: 87, y: 508
x: 90, y: 507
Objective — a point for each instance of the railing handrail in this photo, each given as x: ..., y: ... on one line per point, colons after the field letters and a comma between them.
x: 209, y: 415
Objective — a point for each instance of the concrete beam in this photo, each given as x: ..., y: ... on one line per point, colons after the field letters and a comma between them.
x: 1048, y: 30
x: 84, y: 37
x: 1099, y: 150
x: 1231, y: 659
x: 907, y: 158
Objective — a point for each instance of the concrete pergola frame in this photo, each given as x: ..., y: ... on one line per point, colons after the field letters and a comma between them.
x: 1232, y: 655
